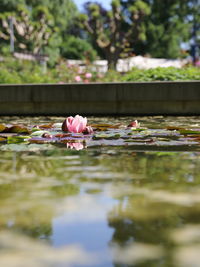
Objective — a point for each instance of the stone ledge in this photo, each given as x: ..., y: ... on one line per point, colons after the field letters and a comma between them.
x: 177, y: 98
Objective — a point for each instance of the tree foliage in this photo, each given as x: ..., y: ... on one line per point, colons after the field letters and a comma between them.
x: 167, y: 26
x: 28, y: 35
x: 40, y: 26
x: 113, y: 30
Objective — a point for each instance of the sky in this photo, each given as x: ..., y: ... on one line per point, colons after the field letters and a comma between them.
x: 105, y: 3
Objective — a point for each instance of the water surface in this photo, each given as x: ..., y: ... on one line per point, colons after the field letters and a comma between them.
x: 102, y: 205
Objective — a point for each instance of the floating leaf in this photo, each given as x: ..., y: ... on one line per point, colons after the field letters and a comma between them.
x: 185, y: 131
x: 39, y: 133
x: 3, y: 139
x: 57, y: 125
x: 106, y: 136
x: 41, y: 140
x: 61, y: 135
x: 2, y: 127
x: 174, y: 128
x: 17, y: 139
x: 5, y: 135
x: 17, y: 129
x: 104, y: 127
x: 46, y: 126
x: 138, y: 129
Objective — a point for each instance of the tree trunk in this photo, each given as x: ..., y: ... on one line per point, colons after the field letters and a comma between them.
x: 112, y: 59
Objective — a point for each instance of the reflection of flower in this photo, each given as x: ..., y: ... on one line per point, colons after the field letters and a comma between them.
x: 75, y: 124
x: 134, y: 124
x: 76, y: 146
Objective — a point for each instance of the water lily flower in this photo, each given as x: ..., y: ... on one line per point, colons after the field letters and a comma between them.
x: 75, y: 124
x: 134, y: 124
x: 75, y: 145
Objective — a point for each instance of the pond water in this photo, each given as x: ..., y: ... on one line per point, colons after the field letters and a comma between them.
x: 103, y: 205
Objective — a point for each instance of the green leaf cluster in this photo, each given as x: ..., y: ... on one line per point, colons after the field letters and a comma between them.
x: 163, y: 74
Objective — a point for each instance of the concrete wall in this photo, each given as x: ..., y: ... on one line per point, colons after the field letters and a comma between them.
x: 177, y: 98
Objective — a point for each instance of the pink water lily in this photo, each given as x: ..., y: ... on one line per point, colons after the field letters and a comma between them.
x: 134, y: 124
x: 75, y: 124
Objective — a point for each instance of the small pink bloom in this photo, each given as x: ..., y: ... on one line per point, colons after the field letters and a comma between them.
x: 80, y: 71
x: 60, y: 82
x: 86, y: 81
x: 88, y: 130
x: 75, y: 124
x: 197, y: 63
x: 88, y: 75
x: 134, y: 124
x: 78, y: 78
x: 77, y: 145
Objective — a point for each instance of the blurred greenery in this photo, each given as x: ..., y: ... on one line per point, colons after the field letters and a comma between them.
x: 163, y: 74
x: 77, y: 48
x: 131, y: 27
x: 14, y: 71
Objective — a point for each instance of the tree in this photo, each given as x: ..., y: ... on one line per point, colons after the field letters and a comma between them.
x: 63, y: 11
x: 77, y: 48
x: 29, y: 34
x: 167, y: 26
x: 39, y: 25
x: 113, y: 30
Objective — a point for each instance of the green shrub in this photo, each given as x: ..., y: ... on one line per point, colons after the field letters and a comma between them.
x: 14, y: 71
x: 76, y: 48
x: 23, y: 71
x: 9, y: 78
x: 163, y: 74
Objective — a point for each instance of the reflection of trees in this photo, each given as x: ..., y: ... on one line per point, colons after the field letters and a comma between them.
x: 175, y: 170
x: 138, y: 217
x: 31, y: 185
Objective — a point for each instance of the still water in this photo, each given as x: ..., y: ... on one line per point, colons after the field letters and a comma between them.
x: 99, y: 206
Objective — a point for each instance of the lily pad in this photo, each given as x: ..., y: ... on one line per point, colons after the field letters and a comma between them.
x: 2, y: 127
x: 106, y: 136
x: 39, y: 133
x: 17, y: 139
x: 187, y: 131
x: 17, y: 129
